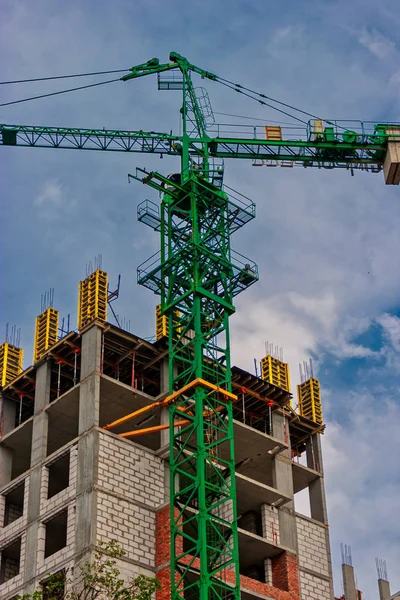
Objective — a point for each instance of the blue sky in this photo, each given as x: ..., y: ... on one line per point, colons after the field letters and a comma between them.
x: 327, y: 244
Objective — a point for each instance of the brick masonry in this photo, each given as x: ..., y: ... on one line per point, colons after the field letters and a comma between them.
x: 130, y: 487
x: 314, y: 588
x: 134, y: 473
x: 270, y: 523
x: 313, y: 559
x: 283, y: 569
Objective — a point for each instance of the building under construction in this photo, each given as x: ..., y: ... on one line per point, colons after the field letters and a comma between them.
x: 85, y: 457
x: 190, y: 463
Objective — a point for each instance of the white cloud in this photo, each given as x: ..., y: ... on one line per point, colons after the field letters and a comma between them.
x: 391, y: 327
x: 363, y: 484
x: 376, y: 43
x: 50, y: 196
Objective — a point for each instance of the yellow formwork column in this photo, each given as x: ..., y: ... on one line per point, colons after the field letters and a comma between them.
x: 46, y: 332
x: 309, y: 397
x: 275, y: 372
x: 11, y: 358
x: 162, y: 323
x: 92, y: 302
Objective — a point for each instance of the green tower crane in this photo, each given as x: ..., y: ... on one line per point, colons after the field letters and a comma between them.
x: 197, y: 275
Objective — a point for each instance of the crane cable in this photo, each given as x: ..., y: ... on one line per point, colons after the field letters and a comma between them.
x: 235, y: 87
x: 226, y: 82
x: 82, y: 87
x: 239, y: 88
x: 63, y: 76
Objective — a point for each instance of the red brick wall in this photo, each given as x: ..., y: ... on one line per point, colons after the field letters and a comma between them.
x: 284, y: 568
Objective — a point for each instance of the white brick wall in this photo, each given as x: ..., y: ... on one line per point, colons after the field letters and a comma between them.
x: 53, y: 562
x: 130, y: 487
x: 48, y: 505
x: 313, y: 588
x: 268, y: 571
x: 11, y: 530
x: 311, y: 538
x: 12, y: 584
x: 131, y: 525
x: 270, y: 523
x: 128, y: 471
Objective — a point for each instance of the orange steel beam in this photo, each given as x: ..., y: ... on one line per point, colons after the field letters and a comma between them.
x: 151, y: 429
x: 203, y: 383
x: 138, y: 432
x: 134, y: 414
x: 169, y: 399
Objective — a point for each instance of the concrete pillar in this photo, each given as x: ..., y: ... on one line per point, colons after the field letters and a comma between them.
x: 89, y: 389
x: 87, y: 463
x: 38, y: 455
x: 87, y: 450
x: 164, y: 388
x: 42, y: 386
x: 384, y: 589
x: 316, y: 491
x: 5, y: 465
x: 317, y: 487
x: 349, y: 584
x: 9, y: 408
x: 164, y: 420
x: 283, y: 481
x: 164, y: 376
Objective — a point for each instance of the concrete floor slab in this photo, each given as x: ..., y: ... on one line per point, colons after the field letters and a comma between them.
x: 252, y: 494
x: 19, y: 441
x: 253, y: 549
x: 63, y: 416
x: 302, y: 477
x: 117, y: 400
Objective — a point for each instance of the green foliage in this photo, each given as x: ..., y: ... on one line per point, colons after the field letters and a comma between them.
x: 98, y: 579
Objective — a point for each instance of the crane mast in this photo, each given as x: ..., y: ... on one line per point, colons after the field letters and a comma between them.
x: 197, y: 274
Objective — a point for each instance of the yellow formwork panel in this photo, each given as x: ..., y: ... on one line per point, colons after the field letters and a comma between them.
x: 46, y: 332
x: 162, y: 323
x: 275, y: 372
x: 309, y: 397
x: 92, y: 302
x: 11, y: 358
x: 273, y: 132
